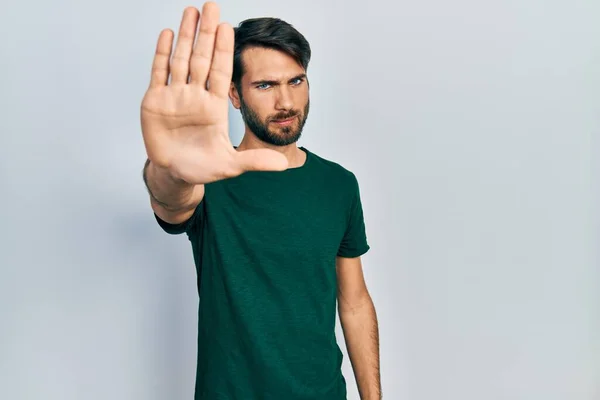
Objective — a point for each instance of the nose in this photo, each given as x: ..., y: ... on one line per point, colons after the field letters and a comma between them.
x: 284, y: 101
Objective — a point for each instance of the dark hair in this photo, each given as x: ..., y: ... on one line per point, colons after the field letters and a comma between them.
x: 270, y: 33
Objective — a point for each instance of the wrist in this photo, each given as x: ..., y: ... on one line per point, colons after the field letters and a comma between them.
x: 163, y: 174
x: 165, y: 189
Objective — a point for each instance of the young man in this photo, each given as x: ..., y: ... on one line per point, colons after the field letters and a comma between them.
x: 276, y: 231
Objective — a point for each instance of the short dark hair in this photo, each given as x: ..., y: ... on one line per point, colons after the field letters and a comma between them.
x: 270, y: 33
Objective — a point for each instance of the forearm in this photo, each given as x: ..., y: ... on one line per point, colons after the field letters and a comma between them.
x: 170, y: 194
x: 361, y: 332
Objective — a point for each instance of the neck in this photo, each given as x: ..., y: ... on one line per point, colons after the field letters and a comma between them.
x: 295, y: 156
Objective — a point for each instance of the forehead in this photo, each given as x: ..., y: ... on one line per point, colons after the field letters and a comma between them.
x: 269, y: 64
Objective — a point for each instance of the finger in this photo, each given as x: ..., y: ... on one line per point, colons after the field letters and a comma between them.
x: 261, y: 160
x: 205, y: 44
x: 180, y: 64
x: 221, y: 69
x: 160, y: 66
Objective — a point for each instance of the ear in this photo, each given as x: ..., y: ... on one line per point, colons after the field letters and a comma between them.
x: 234, y: 96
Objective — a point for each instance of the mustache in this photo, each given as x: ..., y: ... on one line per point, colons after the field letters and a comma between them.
x: 281, y: 117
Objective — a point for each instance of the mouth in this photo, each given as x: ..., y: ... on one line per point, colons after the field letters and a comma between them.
x: 284, y: 122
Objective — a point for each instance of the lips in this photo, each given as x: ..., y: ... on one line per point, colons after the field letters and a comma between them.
x: 284, y: 120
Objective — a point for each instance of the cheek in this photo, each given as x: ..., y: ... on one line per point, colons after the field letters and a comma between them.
x: 301, y: 98
x: 260, y: 105
x: 264, y: 104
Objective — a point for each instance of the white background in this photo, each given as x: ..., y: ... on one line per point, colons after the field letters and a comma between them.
x: 471, y: 125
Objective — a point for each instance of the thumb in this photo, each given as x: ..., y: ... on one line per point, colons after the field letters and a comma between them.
x: 261, y: 160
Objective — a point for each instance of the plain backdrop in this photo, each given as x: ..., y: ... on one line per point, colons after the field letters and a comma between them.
x: 472, y: 127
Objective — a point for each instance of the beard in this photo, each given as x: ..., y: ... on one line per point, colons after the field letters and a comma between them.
x: 280, y: 136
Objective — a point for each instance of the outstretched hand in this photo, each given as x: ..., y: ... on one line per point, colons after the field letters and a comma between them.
x: 184, y: 119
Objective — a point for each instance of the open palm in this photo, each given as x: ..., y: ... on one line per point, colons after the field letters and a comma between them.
x: 184, y: 120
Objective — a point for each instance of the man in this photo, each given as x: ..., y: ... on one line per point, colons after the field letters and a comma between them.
x: 276, y: 231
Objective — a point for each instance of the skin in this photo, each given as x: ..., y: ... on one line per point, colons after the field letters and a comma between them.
x: 274, y: 87
x: 358, y: 319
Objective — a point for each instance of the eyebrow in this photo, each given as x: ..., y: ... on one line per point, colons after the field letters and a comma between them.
x: 275, y: 82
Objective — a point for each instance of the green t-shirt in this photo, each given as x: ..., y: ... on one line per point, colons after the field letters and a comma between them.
x: 265, y: 246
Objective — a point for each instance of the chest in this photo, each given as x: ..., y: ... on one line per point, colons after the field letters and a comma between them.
x: 303, y: 223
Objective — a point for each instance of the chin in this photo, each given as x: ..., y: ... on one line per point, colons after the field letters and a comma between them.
x: 282, y: 140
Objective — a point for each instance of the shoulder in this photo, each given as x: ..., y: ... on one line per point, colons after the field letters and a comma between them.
x: 334, y: 170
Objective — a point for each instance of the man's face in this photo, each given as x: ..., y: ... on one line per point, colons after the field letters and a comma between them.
x: 274, y: 99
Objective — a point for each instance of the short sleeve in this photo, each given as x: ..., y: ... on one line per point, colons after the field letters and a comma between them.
x: 188, y: 226
x: 354, y: 242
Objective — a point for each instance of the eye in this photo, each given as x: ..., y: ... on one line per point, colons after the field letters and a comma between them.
x: 298, y: 80
x: 262, y: 86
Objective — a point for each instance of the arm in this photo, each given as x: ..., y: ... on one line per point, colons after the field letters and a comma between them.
x: 173, y: 200
x: 184, y: 120
x: 359, y: 323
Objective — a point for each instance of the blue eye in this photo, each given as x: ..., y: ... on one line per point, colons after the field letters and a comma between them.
x: 262, y: 86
